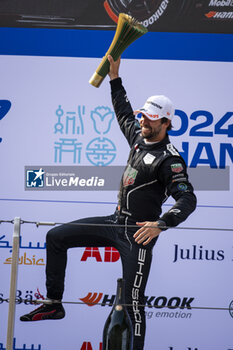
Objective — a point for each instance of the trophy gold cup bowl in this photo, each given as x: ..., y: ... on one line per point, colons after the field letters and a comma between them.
x: 127, y: 31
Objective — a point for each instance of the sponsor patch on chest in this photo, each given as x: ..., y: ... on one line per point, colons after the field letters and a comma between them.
x: 176, y: 168
x: 129, y: 176
x: 148, y: 158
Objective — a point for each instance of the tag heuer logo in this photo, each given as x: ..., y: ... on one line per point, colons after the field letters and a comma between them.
x: 176, y: 168
x: 129, y: 176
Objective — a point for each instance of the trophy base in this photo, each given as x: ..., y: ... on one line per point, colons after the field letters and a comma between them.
x: 96, y: 80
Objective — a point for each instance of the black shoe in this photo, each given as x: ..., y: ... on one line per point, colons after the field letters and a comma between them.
x: 53, y: 311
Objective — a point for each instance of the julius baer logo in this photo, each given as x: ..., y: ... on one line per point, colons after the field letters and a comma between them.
x: 200, y: 253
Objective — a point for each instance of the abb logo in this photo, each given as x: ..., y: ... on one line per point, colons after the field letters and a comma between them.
x: 87, y: 346
x: 110, y: 254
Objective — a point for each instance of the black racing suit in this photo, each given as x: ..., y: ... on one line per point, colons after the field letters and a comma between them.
x: 153, y: 172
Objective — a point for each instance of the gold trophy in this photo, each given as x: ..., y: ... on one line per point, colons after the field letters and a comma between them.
x: 127, y: 31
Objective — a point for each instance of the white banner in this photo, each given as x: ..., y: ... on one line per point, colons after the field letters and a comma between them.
x: 55, y: 118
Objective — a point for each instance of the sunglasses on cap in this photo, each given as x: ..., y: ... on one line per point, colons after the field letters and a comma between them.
x: 139, y: 115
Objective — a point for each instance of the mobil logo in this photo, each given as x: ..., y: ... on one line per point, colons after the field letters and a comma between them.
x: 108, y: 254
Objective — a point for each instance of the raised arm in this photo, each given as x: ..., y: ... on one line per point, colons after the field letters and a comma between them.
x: 123, y: 110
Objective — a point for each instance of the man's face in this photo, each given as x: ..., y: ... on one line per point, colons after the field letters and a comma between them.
x: 153, y: 130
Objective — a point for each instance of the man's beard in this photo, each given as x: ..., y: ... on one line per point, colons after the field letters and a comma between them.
x: 150, y: 134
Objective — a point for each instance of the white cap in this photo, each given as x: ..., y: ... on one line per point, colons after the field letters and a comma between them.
x: 157, y: 107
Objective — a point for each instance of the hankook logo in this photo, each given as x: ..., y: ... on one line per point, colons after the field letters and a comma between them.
x: 158, y: 13
x: 219, y: 15
x: 92, y: 299
x: 159, y: 302
x: 222, y: 3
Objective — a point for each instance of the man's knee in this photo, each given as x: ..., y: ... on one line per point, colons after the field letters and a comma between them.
x: 54, y: 236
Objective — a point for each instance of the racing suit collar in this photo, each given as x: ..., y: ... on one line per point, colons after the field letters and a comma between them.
x: 154, y: 145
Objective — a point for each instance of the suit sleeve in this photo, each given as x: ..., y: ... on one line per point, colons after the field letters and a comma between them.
x: 124, y: 112
x: 173, y: 175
